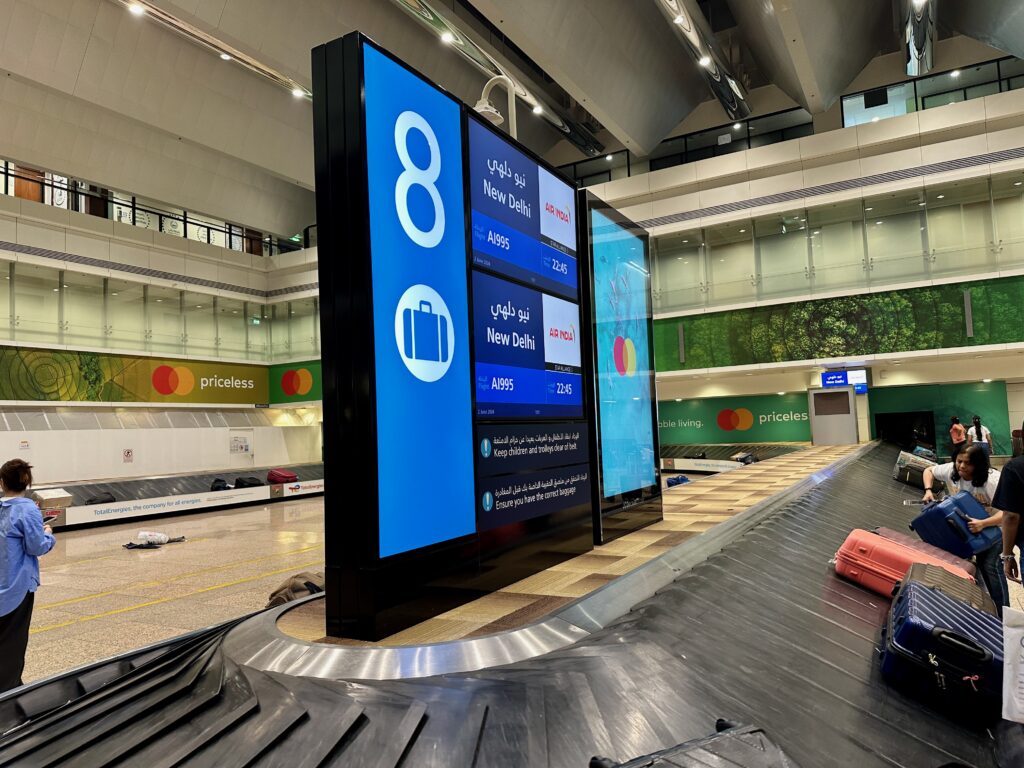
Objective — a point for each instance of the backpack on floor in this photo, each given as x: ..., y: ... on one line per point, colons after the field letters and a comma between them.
x: 297, y: 586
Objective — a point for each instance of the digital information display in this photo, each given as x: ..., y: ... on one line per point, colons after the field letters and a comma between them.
x: 623, y: 368
x: 527, y: 351
x: 523, y: 217
x: 528, y: 362
x: 420, y: 307
x: 858, y: 378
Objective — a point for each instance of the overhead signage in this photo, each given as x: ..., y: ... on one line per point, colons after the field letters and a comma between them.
x: 413, y: 143
x: 857, y: 378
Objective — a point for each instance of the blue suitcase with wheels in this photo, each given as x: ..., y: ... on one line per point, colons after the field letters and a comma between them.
x: 426, y: 334
x: 945, y: 651
x: 944, y: 525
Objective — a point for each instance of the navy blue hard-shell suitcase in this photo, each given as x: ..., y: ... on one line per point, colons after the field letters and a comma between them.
x: 944, y: 525
x: 944, y: 650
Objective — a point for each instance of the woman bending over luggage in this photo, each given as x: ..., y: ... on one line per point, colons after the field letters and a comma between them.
x: 979, y: 434
x: 971, y: 472
x: 25, y: 538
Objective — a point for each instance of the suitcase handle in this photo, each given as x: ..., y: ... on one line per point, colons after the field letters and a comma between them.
x: 962, y: 643
x: 957, y: 528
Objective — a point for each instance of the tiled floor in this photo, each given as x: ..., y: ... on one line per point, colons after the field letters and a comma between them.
x: 688, y: 510
x: 98, y: 599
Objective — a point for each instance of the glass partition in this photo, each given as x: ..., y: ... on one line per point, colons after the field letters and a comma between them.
x: 894, y: 226
x: 838, y: 258
x: 231, y: 327
x: 304, y: 327
x: 200, y: 323
x: 36, y: 303
x: 781, y: 242
x: 126, y: 314
x: 257, y: 328
x: 164, y: 327
x: 679, y: 280
x: 84, y: 320
x: 731, y: 266
x: 959, y: 227
x: 1008, y: 219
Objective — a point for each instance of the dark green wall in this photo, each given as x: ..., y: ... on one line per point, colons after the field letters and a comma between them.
x: 893, y: 321
x: 964, y: 400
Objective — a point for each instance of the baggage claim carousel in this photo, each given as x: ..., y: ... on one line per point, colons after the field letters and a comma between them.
x: 746, y: 622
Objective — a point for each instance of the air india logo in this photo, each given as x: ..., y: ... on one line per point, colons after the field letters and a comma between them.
x: 296, y: 382
x: 177, y: 380
x: 740, y: 419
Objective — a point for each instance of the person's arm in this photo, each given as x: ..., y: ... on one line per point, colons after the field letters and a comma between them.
x: 1011, y: 521
x: 38, y: 538
x: 994, y: 519
x: 928, y: 477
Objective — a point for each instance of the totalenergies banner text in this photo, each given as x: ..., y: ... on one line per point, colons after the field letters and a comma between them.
x: 742, y: 419
x: 60, y: 376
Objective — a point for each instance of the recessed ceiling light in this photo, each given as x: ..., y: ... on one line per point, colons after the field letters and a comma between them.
x: 816, y: 232
x: 608, y: 158
x: 158, y: 301
x: 447, y: 37
x: 704, y: 61
x: 955, y: 73
x: 225, y: 57
x: 921, y: 204
x: 737, y: 126
x: 199, y: 306
x: 537, y: 109
x: 679, y: 399
x: 986, y: 381
x: 874, y: 119
x: 878, y: 222
x: 298, y: 93
x: 679, y: 258
x: 869, y: 209
x: 780, y: 393
x: 939, y: 197
x: 1018, y: 183
x: 721, y: 259
x: 136, y: 9
x: 750, y: 374
x: 743, y: 230
x: 686, y: 241
x: 679, y: 19
x: 114, y: 293
x: 56, y: 289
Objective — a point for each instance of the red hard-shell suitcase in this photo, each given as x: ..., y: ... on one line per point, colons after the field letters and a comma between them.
x: 914, y: 543
x: 281, y: 476
x: 877, y: 563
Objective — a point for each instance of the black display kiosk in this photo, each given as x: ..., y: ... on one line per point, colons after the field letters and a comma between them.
x: 457, y: 355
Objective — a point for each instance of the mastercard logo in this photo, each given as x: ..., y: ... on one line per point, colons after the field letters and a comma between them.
x: 178, y: 380
x: 624, y: 352
x: 740, y: 419
x: 296, y: 382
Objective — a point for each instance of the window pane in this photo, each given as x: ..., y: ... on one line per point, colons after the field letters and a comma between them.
x: 678, y: 279
x: 257, y: 321
x: 837, y: 246
x: 782, y: 252
x: 36, y: 304
x: 959, y: 227
x: 200, y: 324
x: 231, y: 327
x: 730, y: 259
x: 164, y: 316
x: 126, y: 314
x: 84, y: 323
x: 895, y: 228
x: 305, y: 327
x: 1008, y: 213
x: 879, y: 104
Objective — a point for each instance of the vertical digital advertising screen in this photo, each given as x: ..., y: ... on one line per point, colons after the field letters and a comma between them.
x: 532, y: 436
x: 626, y: 403
x: 420, y: 307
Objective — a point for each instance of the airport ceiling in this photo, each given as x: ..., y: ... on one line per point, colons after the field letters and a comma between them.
x: 631, y: 70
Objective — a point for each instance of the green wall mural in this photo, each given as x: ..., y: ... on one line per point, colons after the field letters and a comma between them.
x: 964, y: 400
x: 739, y: 419
x: 893, y: 321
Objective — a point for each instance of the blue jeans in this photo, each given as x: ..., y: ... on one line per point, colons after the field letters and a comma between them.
x: 992, y: 574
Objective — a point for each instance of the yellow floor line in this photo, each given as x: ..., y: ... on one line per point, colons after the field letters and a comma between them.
x: 202, y: 590
x: 179, y: 577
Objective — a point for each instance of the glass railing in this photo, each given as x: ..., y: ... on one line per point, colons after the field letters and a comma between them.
x: 69, y: 194
x: 940, y: 232
x: 935, y: 90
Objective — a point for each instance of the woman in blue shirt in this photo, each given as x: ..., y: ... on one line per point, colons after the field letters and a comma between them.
x: 25, y: 538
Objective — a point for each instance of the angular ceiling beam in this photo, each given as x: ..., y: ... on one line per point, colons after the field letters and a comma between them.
x: 995, y: 22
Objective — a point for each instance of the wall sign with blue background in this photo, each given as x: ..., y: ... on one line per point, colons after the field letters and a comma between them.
x: 420, y: 307
x: 857, y: 377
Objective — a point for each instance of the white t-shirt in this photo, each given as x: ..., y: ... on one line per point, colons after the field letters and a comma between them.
x: 986, y: 435
x: 983, y: 493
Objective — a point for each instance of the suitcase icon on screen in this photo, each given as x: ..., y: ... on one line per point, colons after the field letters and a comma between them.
x: 426, y: 334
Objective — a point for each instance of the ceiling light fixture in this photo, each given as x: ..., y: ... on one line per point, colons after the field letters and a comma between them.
x: 743, y: 230
x: 780, y: 393
x: 955, y: 73
x: 137, y: 10
x: 920, y: 204
x: 225, y: 57
x: 704, y: 61
x: 878, y: 222
x: 737, y: 126
x: 1018, y: 183
x: 874, y: 119
x: 939, y: 197
x: 679, y: 399
x: 608, y: 158
x: 678, y: 19
x: 538, y: 109
x: 298, y: 93
x: 986, y: 381
x: 869, y: 209
x: 447, y: 37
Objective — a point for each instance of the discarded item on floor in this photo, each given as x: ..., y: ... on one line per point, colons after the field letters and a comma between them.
x: 298, y: 586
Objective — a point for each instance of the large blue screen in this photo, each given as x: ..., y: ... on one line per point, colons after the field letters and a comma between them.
x: 420, y: 308
x: 621, y: 309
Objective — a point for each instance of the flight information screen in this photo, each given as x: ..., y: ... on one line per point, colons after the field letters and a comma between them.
x: 523, y: 216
